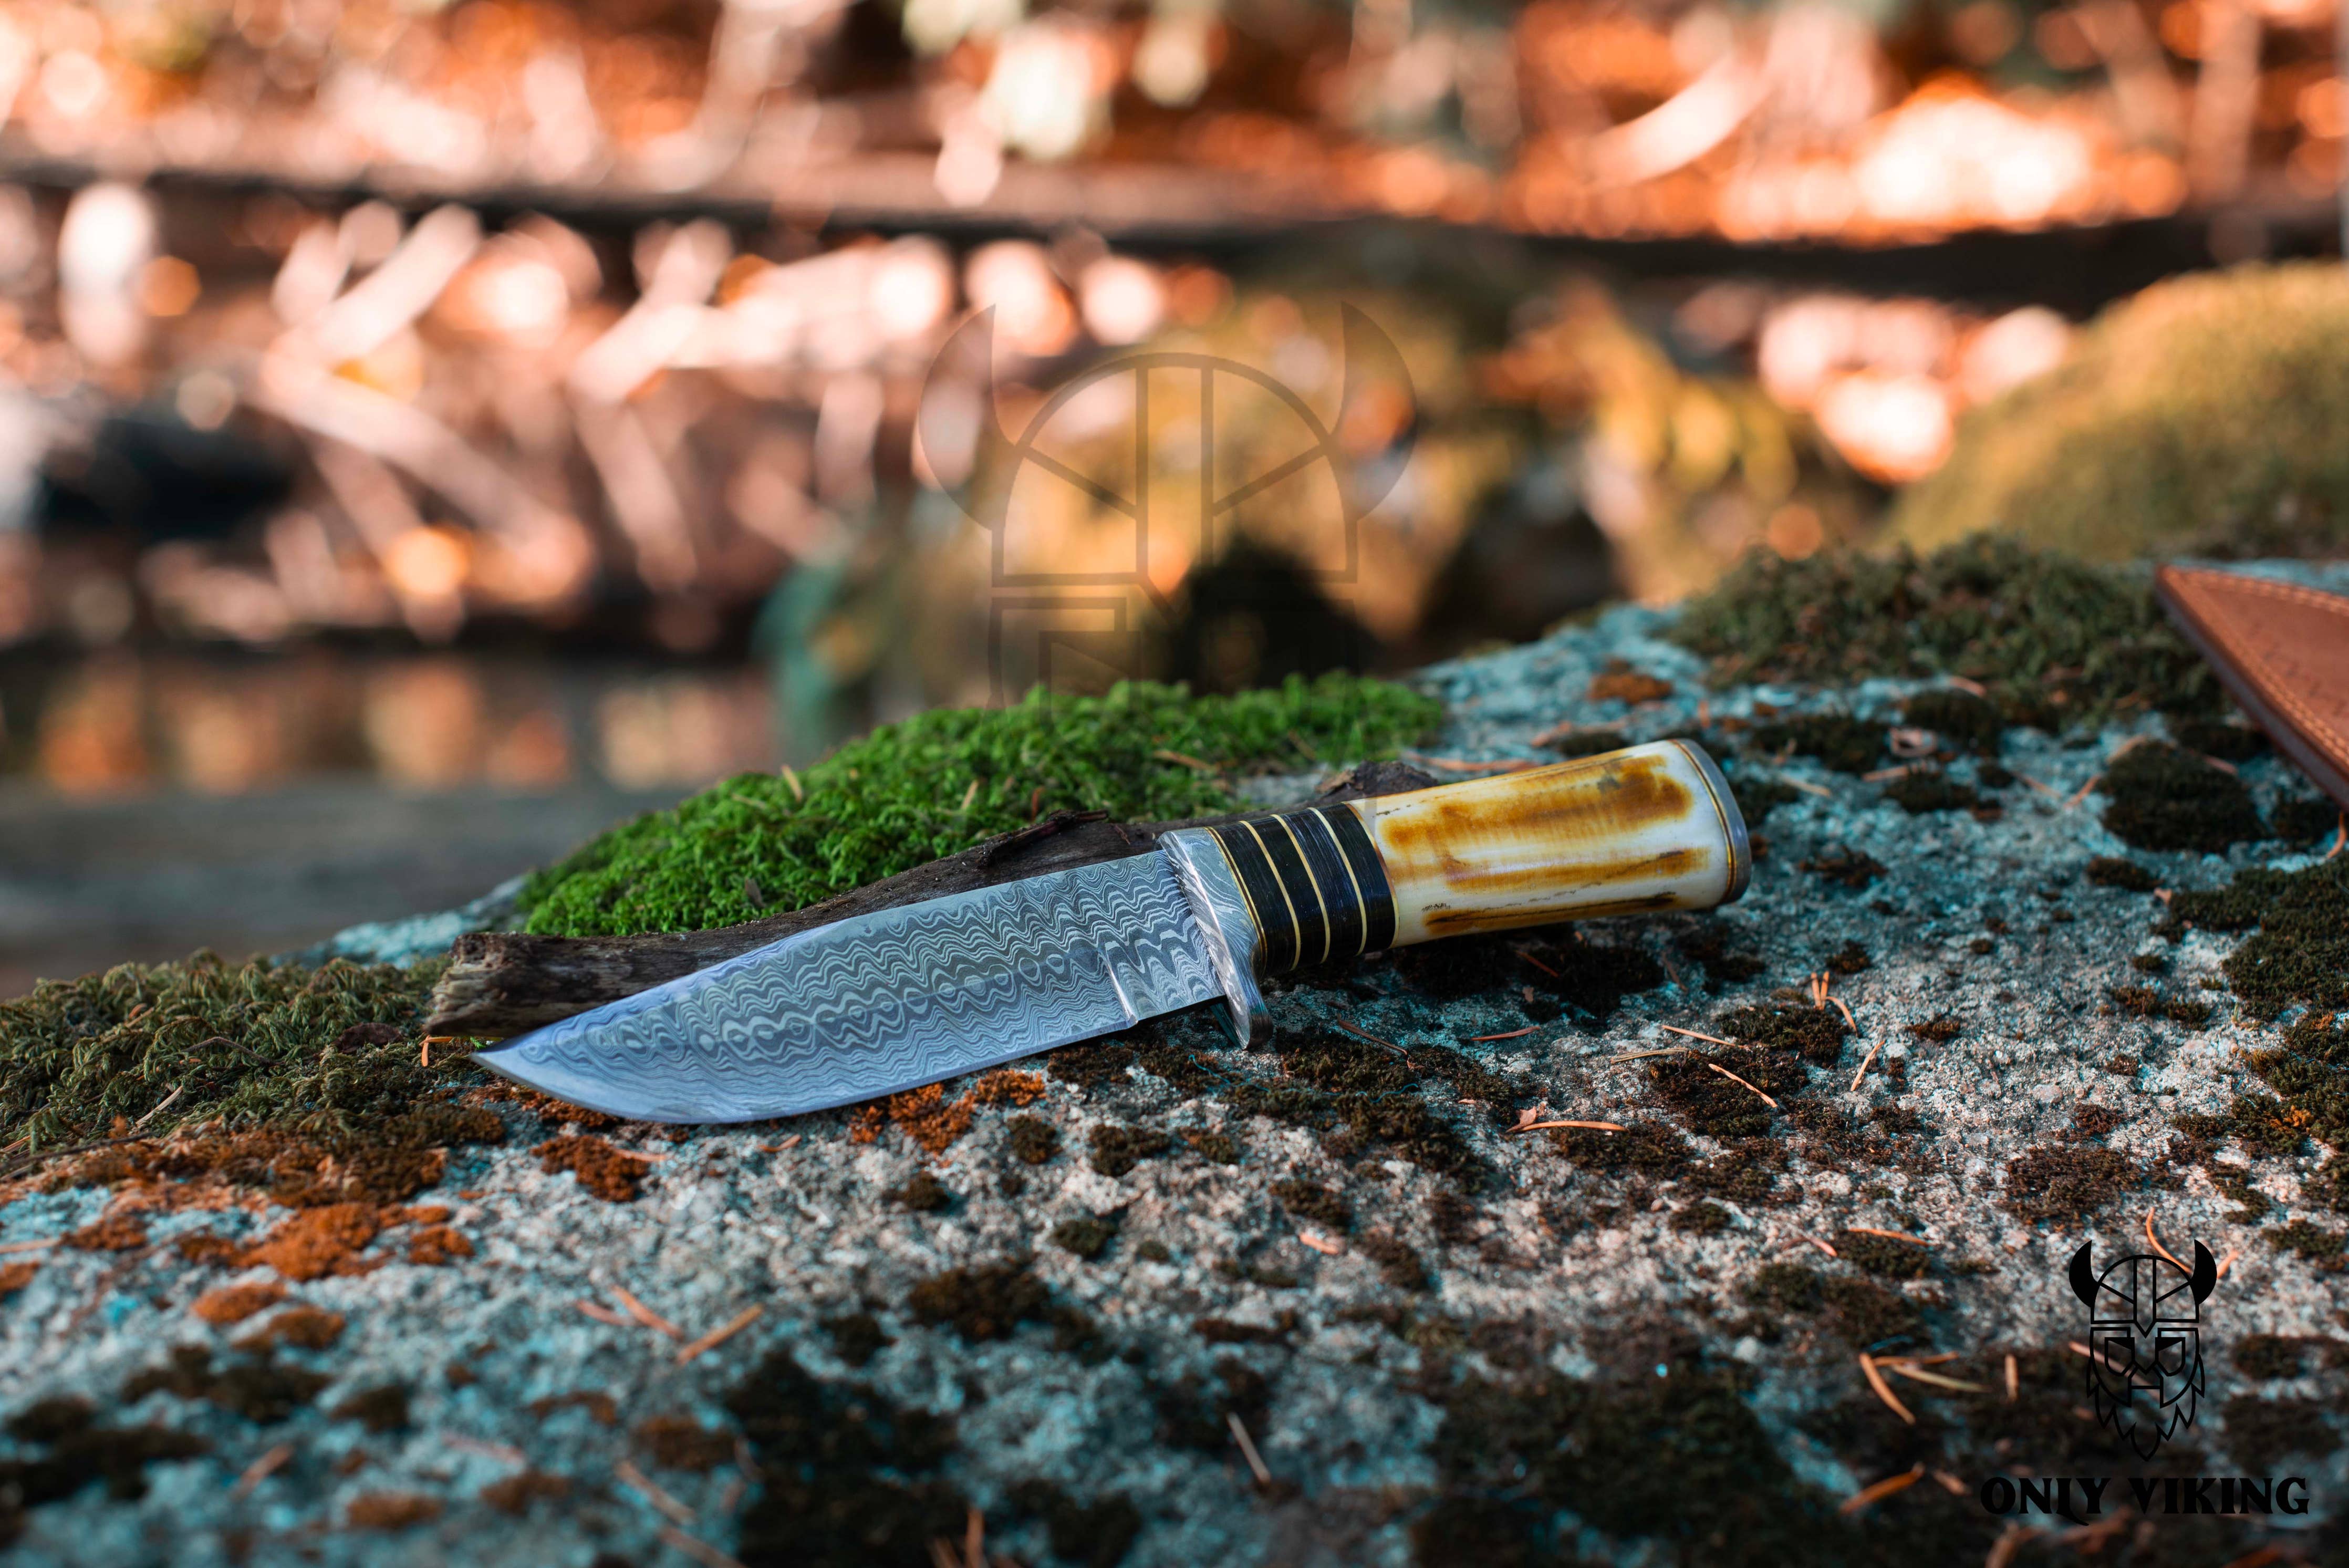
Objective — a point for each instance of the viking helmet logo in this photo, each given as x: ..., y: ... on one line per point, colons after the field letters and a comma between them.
x: 2145, y: 1342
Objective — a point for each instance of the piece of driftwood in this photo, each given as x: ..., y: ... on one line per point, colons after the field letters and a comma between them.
x: 502, y: 983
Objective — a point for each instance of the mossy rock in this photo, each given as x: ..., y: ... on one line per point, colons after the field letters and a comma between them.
x: 2053, y: 641
x: 2202, y: 416
x: 941, y: 782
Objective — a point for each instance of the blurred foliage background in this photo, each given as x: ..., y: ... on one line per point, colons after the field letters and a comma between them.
x: 504, y: 400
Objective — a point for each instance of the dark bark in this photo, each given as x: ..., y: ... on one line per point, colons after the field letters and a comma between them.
x: 502, y: 983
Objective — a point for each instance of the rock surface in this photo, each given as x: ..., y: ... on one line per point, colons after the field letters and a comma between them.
x: 1060, y: 1296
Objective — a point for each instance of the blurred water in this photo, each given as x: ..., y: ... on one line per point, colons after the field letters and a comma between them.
x: 150, y: 805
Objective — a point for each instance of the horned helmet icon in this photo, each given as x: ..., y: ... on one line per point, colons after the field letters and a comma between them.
x: 2145, y: 1342
x: 1372, y: 361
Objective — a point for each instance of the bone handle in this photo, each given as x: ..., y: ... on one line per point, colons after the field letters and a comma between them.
x: 1633, y: 832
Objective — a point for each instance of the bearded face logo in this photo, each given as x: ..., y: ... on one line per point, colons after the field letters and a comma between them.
x: 2145, y: 1342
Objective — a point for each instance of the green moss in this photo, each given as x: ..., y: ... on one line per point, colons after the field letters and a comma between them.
x: 2165, y: 798
x: 315, y: 1051
x: 2059, y: 1182
x: 1845, y: 866
x: 81, y: 1452
x: 2054, y: 640
x: 984, y: 1301
x: 1694, y: 1086
x: 2302, y: 818
x: 1086, y: 1237
x: 1704, y: 1218
x: 1815, y: 1034
x: 1938, y: 1029
x: 258, y: 1389
x: 1679, y: 1459
x: 2145, y: 1001
x: 1321, y: 1205
x: 1847, y: 744
x: 2263, y: 1433
x: 922, y: 1193
x: 1033, y: 1140
x: 1090, y: 1535
x: 848, y: 1478
x: 2301, y: 951
x: 1213, y: 1146
x: 1191, y: 1410
x: 943, y: 780
x: 2221, y: 738
x: 381, y: 1409
x: 2111, y: 871
x: 1921, y: 789
x: 856, y: 1338
x: 1118, y: 1150
x: 1882, y: 1256
x: 2311, y: 1243
x: 1402, y: 1266
x: 1644, y: 1148
x: 1859, y: 1312
x: 2199, y: 417
x: 1957, y: 716
x: 1485, y: 1533
x: 1849, y: 959
x: 2269, y: 1355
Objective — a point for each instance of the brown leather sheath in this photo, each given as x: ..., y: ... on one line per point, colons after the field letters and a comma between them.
x: 2282, y: 652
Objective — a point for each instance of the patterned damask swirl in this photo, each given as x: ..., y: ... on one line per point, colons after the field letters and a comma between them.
x: 883, y: 1001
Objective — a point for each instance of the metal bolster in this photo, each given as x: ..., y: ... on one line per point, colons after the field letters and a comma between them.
x: 1733, y: 821
x: 1230, y: 931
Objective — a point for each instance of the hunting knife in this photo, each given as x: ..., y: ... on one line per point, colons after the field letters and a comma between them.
x: 907, y: 996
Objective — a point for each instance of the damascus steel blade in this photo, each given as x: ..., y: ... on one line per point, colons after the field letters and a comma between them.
x: 883, y: 1001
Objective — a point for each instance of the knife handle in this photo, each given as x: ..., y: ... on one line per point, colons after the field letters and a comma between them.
x: 1633, y: 832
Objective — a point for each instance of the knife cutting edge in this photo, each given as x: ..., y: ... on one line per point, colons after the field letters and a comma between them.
x: 907, y: 996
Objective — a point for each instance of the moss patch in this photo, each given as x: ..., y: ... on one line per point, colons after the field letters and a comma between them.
x: 1402, y: 1265
x: 1090, y: 1535
x: 2300, y: 952
x: 1679, y: 1458
x: 2263, y: 1433
x: 315, y: 1051
x: 1697, y: 1090
x: 922, y: 1193
x: 2165, y: 798
x: 1118, y: 1150
x: 1814, y: 1034
x: 1032, y: 1140
x: 1086, y: 1237
x: 1957, y: 716
x: 856, y: 1338
x: 1321, y: 1205
x: 2066, y: 1182
x: 80, y: 1452
x: 1883, y: 1256
x: 1847, y: 744
x: 2052, y: 639
x: 946, y: 780
x: 2198, y: 417
x: 1369, y: 1095
x: 848, y: 1478
x: 984, y: 1301
x: 258, y: 1389
x: 1922, y: 790
x: 2111, y: 871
